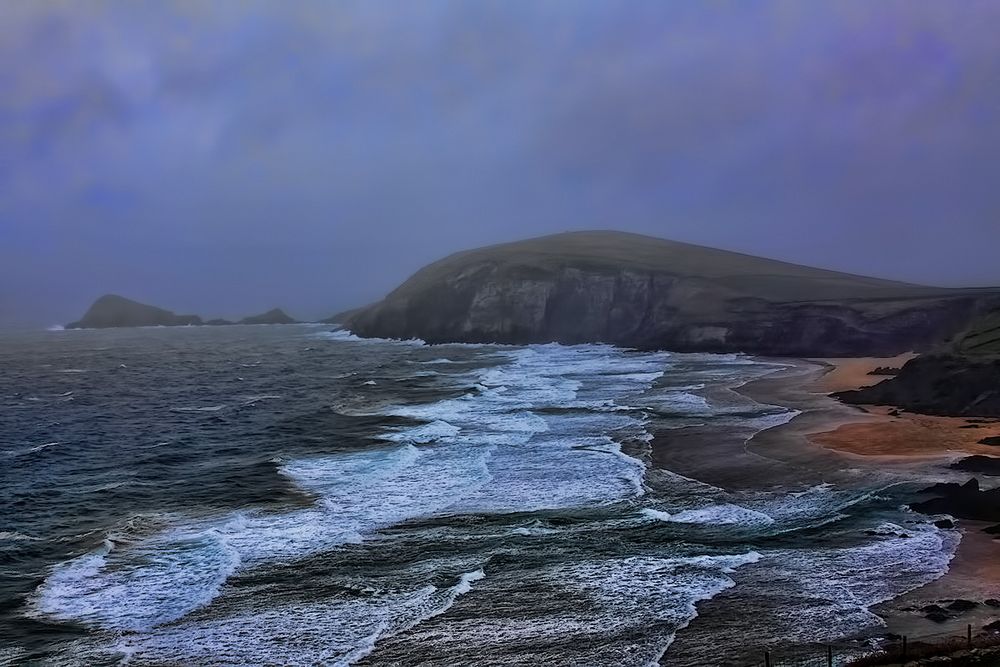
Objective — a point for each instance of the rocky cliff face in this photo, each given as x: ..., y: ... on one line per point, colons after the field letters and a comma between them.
x: 961, y: 379
x: 112, y: 310
x: 938, y: 384
x: 587, y: 288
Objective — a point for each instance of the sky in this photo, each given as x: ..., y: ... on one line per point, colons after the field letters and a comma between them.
x: 223, y: 158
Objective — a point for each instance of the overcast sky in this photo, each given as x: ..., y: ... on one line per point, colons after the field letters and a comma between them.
x: 223, y: 158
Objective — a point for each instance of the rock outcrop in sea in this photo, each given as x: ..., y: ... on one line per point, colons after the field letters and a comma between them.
x: 273, y: 316
x: 112, y: 310
x: 646, y: 292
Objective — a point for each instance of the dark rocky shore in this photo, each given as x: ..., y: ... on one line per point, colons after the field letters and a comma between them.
x: 961, y: 379
x: 965, y: 501
x: 939, y: 384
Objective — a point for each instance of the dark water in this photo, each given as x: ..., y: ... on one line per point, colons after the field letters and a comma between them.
x: 283, y: 495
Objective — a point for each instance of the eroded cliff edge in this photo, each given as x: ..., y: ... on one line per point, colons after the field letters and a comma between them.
x: 644, y: 292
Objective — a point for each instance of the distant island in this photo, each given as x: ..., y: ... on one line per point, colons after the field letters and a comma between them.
x: 273, y: 316
x: 114, y: 311
x: 651, y: 293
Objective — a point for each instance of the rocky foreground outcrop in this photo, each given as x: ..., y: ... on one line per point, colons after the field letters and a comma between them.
x: 112, y: 310
x: 938, y: 384
x: 961, y: 379
x: 965, y: 501
x: 645, y: 292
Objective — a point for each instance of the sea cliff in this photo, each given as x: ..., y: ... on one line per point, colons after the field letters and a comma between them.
x: 649, y: 293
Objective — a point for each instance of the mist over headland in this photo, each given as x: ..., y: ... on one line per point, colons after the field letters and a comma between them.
x: 224, y: 158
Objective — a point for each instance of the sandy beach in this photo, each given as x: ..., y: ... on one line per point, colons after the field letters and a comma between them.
x: 880, y: 435
x: 884, y: 431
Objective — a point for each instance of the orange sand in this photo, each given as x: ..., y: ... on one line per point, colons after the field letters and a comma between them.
x: 907, y: 440
x: 877, y: 433
x: 974, y: 573
x: 846, y: 374
x: 909, y: 435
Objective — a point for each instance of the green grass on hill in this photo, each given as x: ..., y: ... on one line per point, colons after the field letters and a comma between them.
x: 735, y: 273
x: 982, y: 338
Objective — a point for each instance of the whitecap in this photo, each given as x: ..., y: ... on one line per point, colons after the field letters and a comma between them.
x: 42, y: 447
x: 15, y: 536
x: 155, y: 581
x: 533, y: 529
x: 261, y: 397
x: 515, y: 445
x: 721, y: 514
x: 841, y: 584
x: 655, y: 514
x: 343, y: 335
x: 334, y: 632
x: 635, y: 605
x: 528, y: 469
x: 425, y: 433
x: 482, y: 453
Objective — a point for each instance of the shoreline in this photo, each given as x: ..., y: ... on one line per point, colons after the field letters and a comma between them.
x: 904, y: 442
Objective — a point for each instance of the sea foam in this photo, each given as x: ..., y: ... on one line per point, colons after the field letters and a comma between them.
x: 490, y: 451
x: 541, y: 430
x: 330, y: 632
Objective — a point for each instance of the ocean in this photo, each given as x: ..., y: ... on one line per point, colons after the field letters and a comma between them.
x: 288, y: 495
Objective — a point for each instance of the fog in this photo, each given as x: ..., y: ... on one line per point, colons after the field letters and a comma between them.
x: 224, y: 158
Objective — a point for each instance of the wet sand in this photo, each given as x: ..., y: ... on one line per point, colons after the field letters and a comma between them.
x: 871, y: 435
x: 974, y: 574
x: 886, y: 432
x: 910, y: 435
